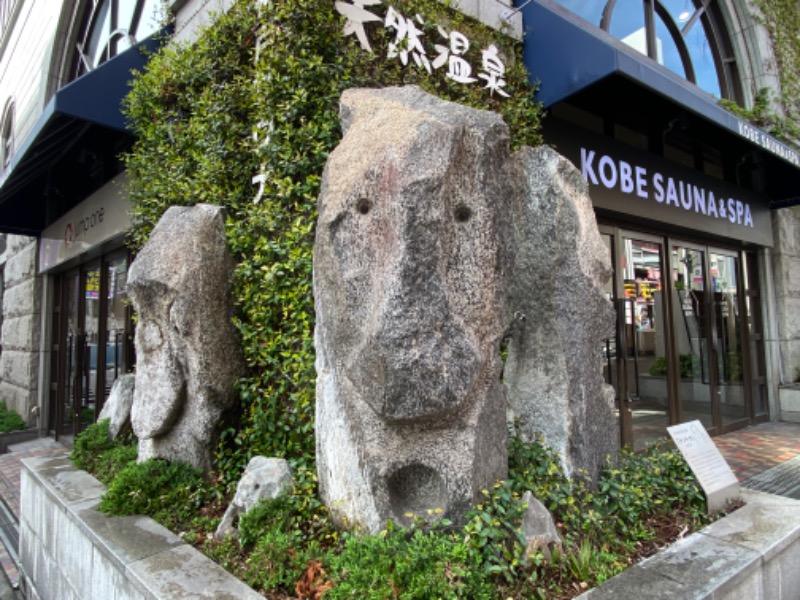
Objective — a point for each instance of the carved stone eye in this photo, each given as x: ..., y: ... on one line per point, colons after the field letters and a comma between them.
x: 462, y: 213
x: 363, y: 206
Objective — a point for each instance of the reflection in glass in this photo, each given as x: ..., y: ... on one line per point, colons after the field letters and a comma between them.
x: 730, y: 367
x: 689, y: 31
x: 115, y: 321
x: 668, y: 54
x: 689, y: 317
x: 74, y: 337
x: 88, y: 399
x: 755, y: 325
x: 645, y: 352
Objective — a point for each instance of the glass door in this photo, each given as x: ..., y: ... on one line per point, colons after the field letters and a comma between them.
x: 691, y: 320
x: 635, y: 360
x: 92, y: 333
x: 713, y: 311
x: 728, y: 339
x: 689, y: 341
x: 642, y: 260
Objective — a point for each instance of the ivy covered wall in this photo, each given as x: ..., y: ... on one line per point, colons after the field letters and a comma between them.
x: 245, y: 118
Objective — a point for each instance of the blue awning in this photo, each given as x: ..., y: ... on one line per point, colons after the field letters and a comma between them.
x: 74, y: 146
x: 570, y: 58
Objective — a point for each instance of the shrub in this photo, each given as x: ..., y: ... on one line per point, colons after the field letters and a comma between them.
x: 170, y: 493
x: 194, y: 112
x: 10, y: 420
x: 90, y: 444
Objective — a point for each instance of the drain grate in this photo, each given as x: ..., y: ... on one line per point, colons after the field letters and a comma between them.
x: 781, y: 480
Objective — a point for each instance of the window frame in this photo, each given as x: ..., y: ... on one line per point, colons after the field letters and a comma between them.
x: 7, y: 136
x: 706, y: 15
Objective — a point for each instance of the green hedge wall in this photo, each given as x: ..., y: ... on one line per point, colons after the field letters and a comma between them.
x: 258, y: 93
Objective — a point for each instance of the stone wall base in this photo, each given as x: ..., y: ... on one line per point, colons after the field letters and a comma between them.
x: 70, y: 551
x: 790, y: 403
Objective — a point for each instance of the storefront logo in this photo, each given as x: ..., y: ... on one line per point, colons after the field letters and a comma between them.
x: 616, y: 174
x: 75, y: 230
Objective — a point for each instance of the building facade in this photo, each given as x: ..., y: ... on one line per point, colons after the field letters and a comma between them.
x: 695, y: 205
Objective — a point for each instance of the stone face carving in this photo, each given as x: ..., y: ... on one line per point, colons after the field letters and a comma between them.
x: 263, y: 479
x: 188, y: 354
x: 433, y: 245
x: 117, y: 409
x: 553, y: 373
x: 413, y: 244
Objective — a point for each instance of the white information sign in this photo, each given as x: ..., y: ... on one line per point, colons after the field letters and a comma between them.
x: 707, y: 463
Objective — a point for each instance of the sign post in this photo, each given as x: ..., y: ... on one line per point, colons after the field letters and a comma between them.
x: 707, y: 463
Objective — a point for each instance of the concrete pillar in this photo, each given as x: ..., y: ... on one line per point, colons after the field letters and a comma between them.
x: 786, y: 269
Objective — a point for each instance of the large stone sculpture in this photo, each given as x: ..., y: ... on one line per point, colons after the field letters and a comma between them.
x: 188, y: 354
x: 553, y: 373
x: 434, y: 245
x: 413, y: 244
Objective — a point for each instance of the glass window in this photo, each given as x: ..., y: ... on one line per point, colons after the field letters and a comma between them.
x: 683, y: 39
x: 7, y: 148
x: 112, y: 26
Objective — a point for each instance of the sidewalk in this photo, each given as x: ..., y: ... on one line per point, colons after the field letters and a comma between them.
x: 765, y: 457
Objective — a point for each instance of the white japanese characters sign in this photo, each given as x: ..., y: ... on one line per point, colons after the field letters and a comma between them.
x: 410, y: 45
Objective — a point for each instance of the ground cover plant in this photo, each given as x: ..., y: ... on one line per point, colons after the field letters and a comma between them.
x: 10, y: 420
x: 288, y: 548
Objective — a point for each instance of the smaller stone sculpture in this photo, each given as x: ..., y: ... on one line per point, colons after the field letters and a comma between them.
x: 263, y: 479
x: 117, y: 409
x: 188, y: 354
x: 553, y: 373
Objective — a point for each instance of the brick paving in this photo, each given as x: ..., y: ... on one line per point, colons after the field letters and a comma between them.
x: 756, y: 449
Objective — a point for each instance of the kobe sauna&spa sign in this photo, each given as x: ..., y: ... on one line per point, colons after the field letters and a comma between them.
x: 410, y: 43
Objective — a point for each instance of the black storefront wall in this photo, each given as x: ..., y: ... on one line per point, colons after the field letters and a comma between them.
x: 634, y: 184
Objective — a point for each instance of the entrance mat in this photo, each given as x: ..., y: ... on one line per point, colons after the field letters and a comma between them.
x: 781, y: 480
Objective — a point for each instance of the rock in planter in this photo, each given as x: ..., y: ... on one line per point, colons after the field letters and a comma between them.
x: 538, y: 528
x: 117, y: 408
x: 188, y: 352
x: 413, y: 247
x: 553, y: 373
x: 263, y: 479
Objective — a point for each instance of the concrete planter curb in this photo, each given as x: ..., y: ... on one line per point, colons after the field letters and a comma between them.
x: 69, y: 550
x: 752, y: 554
x: 17, y: 437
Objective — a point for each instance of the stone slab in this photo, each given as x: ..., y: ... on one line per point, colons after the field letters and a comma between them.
x: 127, y: 539
x: 63, y: 481
x: 184, y: 573
x: 768, y: 524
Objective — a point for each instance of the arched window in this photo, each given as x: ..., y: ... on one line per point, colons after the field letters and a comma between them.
x: 685, y: 36
x: 7, y: 135
x: 110, y: 27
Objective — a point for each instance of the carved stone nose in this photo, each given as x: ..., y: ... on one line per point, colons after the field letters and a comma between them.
x: 423, y: 362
